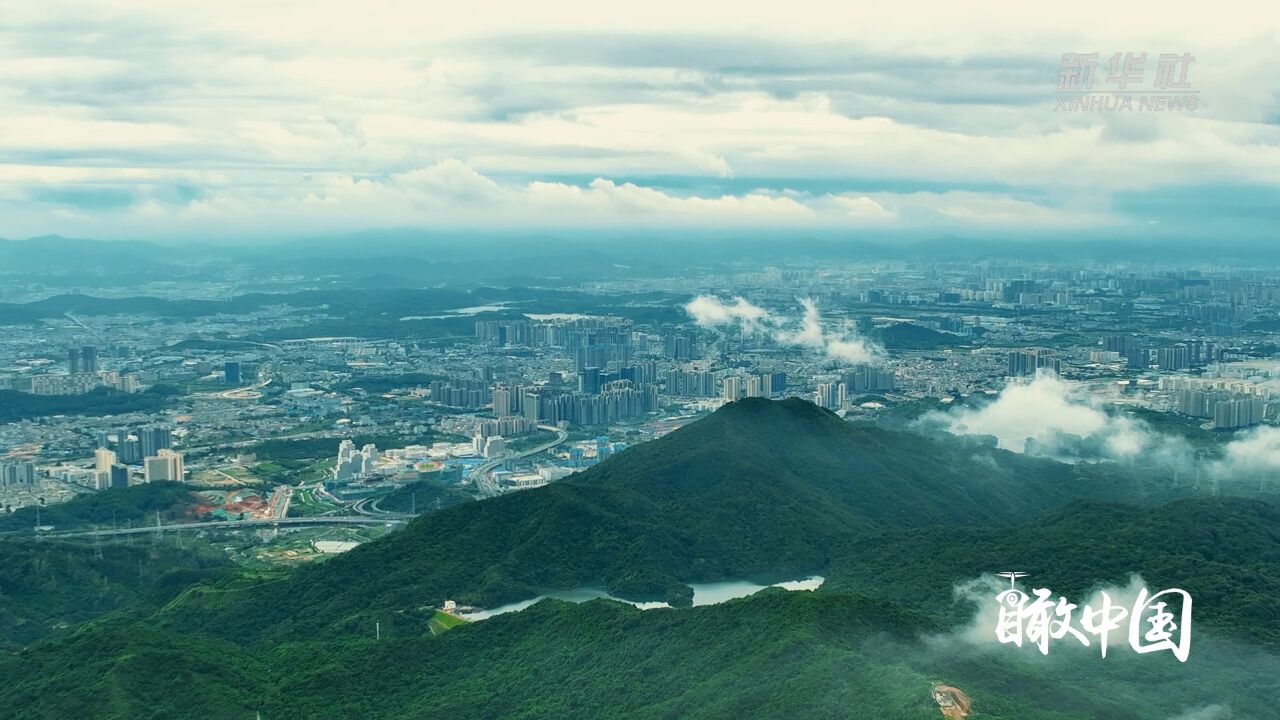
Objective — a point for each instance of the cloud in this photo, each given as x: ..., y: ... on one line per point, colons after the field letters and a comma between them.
x: 808, y: 331
x: 1208, y: 712
x: 842, y: 346
x: 853, y: 350
x: 864, y: 207
x: 1056, y: 418
x: 446, y: 194
x: 299, y: 106
x: 1253, y: 455
x: 710, y: 311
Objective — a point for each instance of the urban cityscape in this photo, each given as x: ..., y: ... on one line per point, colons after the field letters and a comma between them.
x: 524, y: 398
x: 660, y: 361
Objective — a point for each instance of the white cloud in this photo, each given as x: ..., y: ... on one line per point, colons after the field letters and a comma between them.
x: 1053, y: 417
x: 298, y: 104
x: 808, y: 331
x: 1035, y: 411
x: 1254, y: 455
x: 1208, y: 712
x: 710, y: 311
x: 864, y: 207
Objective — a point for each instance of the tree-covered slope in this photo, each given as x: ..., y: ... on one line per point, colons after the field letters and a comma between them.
x: 759, y: 489
x: 1224, y: 551
x: 774, y: 655
x: 47, y: 585
x: 112, y: 507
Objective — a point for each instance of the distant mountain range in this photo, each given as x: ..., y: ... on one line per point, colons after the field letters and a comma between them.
x: 416, y: 257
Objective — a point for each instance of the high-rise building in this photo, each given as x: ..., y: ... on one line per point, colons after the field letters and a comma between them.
x: 167, y: 466
x: 73, y: 361
x: 103, y: 459
x: 777, y: 383
x: 503, y: 405
x: 128, y: 448
x: 1238, y: 412
x: 731, y: 388
x: 1021, y: 363
x: 868, y: 378
x: 89, y: 359
x: 154, y: 439
x: 531, y: 406
x: 354, y: 464
x: 1025, y: 363
x: 231, y: 372
x: 1174, y: 358
x: 492, y: 447
x: 17, y: 473
x: 831, y: 396
x: 589, y: 380
x: 119, y: 475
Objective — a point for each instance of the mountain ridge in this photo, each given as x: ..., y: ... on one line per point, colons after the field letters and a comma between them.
x: 760, y: 489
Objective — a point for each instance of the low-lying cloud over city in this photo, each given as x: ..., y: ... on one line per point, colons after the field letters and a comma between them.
x: 840, y: 343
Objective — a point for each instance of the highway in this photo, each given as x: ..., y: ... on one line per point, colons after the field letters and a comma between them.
x: 234, y: 525
x: 486, y: 486
x: 248, y: 392
x: 368, y: 507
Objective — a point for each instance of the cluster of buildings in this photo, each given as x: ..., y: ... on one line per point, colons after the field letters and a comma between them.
x: 14, y: 473
x: 837, y: 394
x: 127, y: 457
x: 354, y: 464
x: 600, y: 396
x: 109, y: 471
x: 1027, y: 363
x: 83, y: 375
x: 1229, y: 403
x: 1163, y: 336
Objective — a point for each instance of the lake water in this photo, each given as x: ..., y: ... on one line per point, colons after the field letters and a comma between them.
x: 459, y: 312
x: 703, y: 594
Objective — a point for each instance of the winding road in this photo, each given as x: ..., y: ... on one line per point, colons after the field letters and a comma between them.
x: 486, y: 486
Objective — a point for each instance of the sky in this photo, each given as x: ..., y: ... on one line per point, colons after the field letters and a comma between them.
x: 171, y: 120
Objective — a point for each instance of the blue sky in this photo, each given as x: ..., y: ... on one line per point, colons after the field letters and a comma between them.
x: 284, y: 119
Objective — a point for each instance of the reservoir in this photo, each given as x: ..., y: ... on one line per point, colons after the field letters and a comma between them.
x: 703, y: 594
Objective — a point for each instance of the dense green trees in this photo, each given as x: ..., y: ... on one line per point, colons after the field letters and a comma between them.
x: 759, y: 490
x: 16, y: 405
x: 48, y: 584
x: 112, y: 507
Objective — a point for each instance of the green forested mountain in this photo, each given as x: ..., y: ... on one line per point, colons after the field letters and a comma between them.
x: 758, y: 490
x: 774, y: 655
x: 1224, y: 551
x: 46, y: 584
x: 136, y: 504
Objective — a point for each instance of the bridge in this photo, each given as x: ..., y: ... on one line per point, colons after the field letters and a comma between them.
x: 234, y: 525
